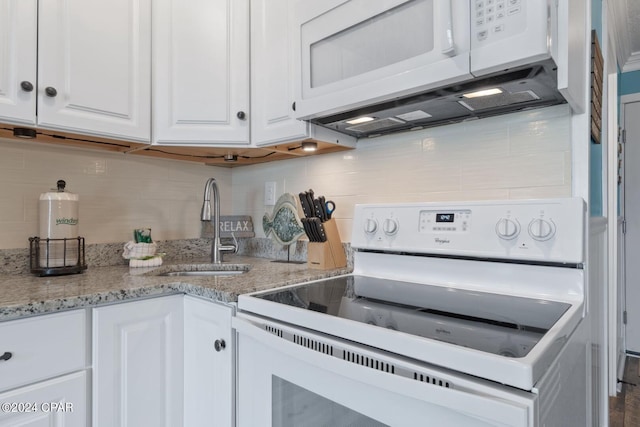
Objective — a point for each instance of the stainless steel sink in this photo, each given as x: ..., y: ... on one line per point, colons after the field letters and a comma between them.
x: 202, y: 270
x: 203, y: 273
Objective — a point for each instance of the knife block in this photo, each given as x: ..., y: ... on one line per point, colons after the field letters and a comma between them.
x: 330, y: 254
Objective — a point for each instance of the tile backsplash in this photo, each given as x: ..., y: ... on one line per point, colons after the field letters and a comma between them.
x: 521, y: 155
x: 117, y: 192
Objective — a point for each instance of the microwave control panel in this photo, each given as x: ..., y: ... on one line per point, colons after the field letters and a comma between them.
x: 497, y: 19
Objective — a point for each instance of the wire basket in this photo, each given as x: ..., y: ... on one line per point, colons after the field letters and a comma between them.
x: 54, y: 257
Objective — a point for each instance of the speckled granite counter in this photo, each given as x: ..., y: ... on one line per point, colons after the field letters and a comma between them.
x: 26, y: 295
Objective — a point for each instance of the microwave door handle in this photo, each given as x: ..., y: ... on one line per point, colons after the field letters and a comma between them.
x: 448, y: 45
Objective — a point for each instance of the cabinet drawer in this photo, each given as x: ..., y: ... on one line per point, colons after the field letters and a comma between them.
x: 42, y: 347
x: 60, y: 402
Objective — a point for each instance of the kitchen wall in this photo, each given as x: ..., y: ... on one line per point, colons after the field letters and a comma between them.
x: 521, y: 155
x: 629, y: 82
x: 117, y: 192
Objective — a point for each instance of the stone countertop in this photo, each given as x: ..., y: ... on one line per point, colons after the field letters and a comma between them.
x: 26, y: 295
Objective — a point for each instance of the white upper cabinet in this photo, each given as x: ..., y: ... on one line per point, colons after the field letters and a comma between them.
x: 273, y: 75
x: 201, y: 72
x: 571, y: 55
x: 94, y: 67
x: 275, y: 78
x: 18, y: 59
x: 92, y: 61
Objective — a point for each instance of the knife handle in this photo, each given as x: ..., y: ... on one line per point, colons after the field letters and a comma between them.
x: 306, y: 209
x: 307, y: 229
x: 322, y: 236
x: 318, y: 209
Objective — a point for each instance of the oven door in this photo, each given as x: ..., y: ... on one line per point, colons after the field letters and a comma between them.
x: 358, y: 52
x: 291, y: 377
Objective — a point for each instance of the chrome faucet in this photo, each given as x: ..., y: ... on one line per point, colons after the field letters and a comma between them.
x: 217, y: 248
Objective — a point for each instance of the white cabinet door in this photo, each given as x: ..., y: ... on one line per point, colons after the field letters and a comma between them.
x: 138, y: 363
x: 201, y: 72
x: 274, y: 79
x: 94, y: 67
x: 208, y: 360
x: 60, y: 402
x: 18, y: 29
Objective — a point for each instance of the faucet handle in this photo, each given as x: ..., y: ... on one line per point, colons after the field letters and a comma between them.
x: 230, y: 248
x: 235, y: 242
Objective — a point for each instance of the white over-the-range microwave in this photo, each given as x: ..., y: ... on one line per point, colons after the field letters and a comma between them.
x: 376, y: 67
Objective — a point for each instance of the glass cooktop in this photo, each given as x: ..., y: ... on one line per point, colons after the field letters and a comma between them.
x: 495, y: 323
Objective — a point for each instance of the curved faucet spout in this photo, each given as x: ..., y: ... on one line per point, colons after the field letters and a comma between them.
x: 211, y: 190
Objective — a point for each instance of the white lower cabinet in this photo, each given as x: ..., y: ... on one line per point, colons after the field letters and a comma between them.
x: 137, y: 361
x: 43, y: 378
x: 155, y: 363
x: 60, y: 402
x: 208, y: 364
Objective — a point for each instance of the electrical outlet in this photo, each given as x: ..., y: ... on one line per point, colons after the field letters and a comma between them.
x: 270, y: 193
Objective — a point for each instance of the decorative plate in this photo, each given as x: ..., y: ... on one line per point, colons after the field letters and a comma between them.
x: 284, y: 226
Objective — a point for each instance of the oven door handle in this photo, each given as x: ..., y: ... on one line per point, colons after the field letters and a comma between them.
x: 513, y: 410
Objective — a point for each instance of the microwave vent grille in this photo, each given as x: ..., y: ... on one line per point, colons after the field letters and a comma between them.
x: 499, y: 100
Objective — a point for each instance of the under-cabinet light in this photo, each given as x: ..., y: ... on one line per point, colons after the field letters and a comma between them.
x: 485, y: 92
x: 24, y: 133
x: 359, y: 120
x: 309, y: 146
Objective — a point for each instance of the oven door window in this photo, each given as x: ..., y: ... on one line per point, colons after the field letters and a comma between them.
x: 294, y: 406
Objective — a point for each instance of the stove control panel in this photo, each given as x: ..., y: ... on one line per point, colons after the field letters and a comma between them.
x: 544, y: 230
x: 447, y: 221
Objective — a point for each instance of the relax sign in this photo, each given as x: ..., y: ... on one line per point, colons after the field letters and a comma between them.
x: 239, y: 225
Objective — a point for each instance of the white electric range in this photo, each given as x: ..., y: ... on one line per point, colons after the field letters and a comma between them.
x: 463, y: 313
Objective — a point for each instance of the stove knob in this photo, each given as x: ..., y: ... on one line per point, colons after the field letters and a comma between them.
x: 390, y: 226
x: 541, y: 229
x: 507, y: 229
x: 370, y: 226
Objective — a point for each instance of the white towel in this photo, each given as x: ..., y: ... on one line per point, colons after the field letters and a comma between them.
x: 133, y: 250
x: 150, y: 262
